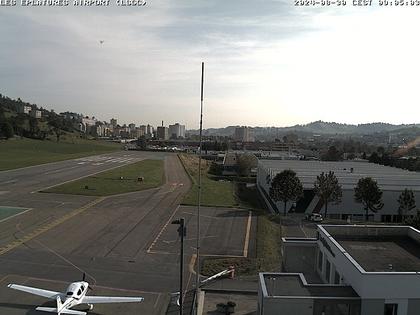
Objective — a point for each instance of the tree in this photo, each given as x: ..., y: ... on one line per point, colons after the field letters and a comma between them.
x: 285, y: 187
x: 374, y: 158
x: 327, y: 188
x: 414, y: 222
x: 368, y: 193
x: 56, y: 126
x: 245, y: 163
x: 406, y: 202
x: 6, y: 129
x: 332, y: 154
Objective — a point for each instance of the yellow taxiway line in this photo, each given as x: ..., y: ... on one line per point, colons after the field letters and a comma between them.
x: 6, y: 248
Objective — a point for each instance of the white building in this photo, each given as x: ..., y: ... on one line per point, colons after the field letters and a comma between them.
x: 176, y: 131
x: 36, y: 113
x: 392, y: 181
x: 87, y: 125
x: 150, y: 130
x: 24, y: 109
x: 346, y: 270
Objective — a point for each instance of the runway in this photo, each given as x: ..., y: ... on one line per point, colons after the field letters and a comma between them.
x: 124, y: 241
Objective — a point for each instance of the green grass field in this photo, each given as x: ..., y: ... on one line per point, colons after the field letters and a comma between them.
x: 27, y: 152
x: 213, y: 193
x: 110, y: 182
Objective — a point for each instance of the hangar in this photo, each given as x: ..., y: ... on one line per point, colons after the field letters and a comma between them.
x: 392, y: 181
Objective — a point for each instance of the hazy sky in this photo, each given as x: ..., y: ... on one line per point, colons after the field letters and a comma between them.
x: 268, y: 63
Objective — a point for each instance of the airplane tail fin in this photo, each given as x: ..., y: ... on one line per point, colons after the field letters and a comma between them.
x: 59, y: 303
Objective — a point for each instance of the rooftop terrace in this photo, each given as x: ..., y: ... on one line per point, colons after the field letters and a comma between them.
x: 295, y: 285
x: 380, y: 248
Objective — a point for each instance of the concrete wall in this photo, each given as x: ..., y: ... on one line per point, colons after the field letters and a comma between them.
x: 413, y: 307
x: 370, y: 307
x: 276, y: 306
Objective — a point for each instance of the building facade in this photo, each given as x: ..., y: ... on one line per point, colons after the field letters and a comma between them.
x: 391, y: 181
x: 162, y: 133
x: 346, y: 270
x: 176, y: 131
x: 244, y: 134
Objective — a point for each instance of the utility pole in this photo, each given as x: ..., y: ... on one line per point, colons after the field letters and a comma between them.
x: 197, y: 280
x: 182, y: 232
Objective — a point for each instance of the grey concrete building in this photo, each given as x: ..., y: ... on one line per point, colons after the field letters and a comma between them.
x: 346, y: 270
x: 162, y: 133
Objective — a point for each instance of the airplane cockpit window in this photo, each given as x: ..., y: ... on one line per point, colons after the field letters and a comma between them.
x: 79, y: 292
x: 83, y: 288
x: 69, y: 293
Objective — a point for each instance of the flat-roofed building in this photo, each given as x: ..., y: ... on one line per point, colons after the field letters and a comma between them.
x: 36, y: 113
x: 24, y: 109
x: 353, y: 269
x: 244, y: 134
x: 162, y: 133
x: 392, y: 181
x: 176, y: 131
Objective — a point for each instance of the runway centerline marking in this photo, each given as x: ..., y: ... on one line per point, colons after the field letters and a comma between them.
x: 6, y: 248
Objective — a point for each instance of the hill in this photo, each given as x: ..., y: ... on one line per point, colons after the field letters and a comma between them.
x: 30, y: 121
x: 317, y: 127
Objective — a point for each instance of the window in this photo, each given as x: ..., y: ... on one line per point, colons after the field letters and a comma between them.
x: 344, y: 309
x: 391, y: 309
x: 79, y: 292
x: 320, y: 261
x: 336, y: 278
x: 327, y: 271
x: 69, y: 293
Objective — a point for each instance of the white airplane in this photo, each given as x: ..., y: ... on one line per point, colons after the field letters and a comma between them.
x: 74, y: 295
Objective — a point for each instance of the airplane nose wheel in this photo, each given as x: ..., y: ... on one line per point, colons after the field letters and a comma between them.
x: 90, y: 307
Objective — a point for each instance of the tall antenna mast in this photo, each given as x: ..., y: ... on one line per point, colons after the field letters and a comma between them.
x: 197, y: 280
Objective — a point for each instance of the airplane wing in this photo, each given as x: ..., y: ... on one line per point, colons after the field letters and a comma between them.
x: 64, y: 311
x: 35, y: 291
x: 110, y: 299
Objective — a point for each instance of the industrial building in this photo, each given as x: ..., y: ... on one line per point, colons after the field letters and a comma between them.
x: 392, y: 181
x: 346, y: 270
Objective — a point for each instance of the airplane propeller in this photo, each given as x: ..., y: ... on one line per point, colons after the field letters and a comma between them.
x: 83, y: 279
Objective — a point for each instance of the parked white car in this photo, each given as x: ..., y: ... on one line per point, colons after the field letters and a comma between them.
x: 314, y: 217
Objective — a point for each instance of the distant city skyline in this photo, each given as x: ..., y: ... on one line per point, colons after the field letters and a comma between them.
x: 268, y: 62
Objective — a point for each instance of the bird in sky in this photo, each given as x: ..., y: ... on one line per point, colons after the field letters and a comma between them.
x: 101, y: 41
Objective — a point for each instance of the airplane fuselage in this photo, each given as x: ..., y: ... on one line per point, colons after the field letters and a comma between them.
x: 74, y: 295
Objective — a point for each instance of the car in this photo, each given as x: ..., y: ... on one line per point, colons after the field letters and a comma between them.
x: 314, y: 217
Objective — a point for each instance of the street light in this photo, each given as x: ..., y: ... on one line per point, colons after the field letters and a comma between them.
x: 182, y: 231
